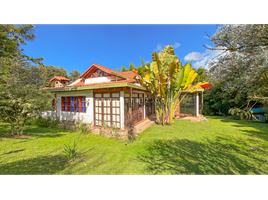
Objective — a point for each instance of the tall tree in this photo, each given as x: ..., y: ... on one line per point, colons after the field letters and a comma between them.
x: 12, y: 37
x: 74, y: 75
x: 243, y: 63
x: 18, y: 104
x: 165, y: 78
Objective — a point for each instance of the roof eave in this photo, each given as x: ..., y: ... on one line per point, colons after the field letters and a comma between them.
x: 98, y: 87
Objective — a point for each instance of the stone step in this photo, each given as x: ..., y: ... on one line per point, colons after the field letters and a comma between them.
x: 143, y: 126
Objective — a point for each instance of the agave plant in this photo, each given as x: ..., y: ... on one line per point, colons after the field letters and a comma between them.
x: 165, y: 78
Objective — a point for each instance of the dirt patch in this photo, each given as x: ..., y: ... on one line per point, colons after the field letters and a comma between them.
x: 16, y: 136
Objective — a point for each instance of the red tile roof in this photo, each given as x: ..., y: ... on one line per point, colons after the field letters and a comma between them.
x: 60, y: 78
x: 92, y: 84
x: 129, y: 74
x: 199, y: 88
x: 106, y: 70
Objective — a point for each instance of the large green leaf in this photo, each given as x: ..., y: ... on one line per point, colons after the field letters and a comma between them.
x: 180, y: 80
x: 156, y: 64
x: 187, y: 70
x: 188, y: 83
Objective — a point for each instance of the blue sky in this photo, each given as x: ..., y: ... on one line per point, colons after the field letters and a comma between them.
x: 78, y: 46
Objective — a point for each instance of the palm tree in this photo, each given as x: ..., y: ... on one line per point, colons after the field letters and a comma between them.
x: 165, y: 78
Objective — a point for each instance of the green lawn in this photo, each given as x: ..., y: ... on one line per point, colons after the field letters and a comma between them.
x: 222, y: 146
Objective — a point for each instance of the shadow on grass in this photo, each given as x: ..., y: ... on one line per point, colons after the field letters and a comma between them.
x: 190, y: 157
x: 261, y: 131
x: 15, y: 151
x: 38, y: 165
x: 36, y: 132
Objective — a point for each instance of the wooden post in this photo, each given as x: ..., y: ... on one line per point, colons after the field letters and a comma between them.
x: 197, y: 105
x: 131, y: 101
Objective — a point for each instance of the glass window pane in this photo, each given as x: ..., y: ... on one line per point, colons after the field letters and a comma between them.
x: 117, y: 118
x: 115, y: 94
x: 126, y: 94
x: 106, y: 95
x: 100, y: 110
x: 97, y: 95
x: 117, y: 103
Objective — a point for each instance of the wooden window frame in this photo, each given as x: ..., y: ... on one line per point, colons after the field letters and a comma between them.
x: 102, y: 108
x: 75, y: 103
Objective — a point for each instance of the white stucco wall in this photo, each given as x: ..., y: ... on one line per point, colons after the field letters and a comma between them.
x: 122, y: 112
x: 97, y: 80
x: 86, y: 117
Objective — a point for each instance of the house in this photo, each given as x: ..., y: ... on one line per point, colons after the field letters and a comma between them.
x: 102, y: 95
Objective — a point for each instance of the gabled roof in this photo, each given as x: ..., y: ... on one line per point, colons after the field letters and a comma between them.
x: 108, y: 71
x: 60, y: 78
x: 91, y: 84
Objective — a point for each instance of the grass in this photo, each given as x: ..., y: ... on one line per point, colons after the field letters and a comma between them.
x: 222, y: 146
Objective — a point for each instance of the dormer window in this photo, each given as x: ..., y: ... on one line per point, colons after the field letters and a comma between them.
x: 57, y: 82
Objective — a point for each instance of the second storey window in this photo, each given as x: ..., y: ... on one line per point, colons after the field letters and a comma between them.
x: 73, y: 104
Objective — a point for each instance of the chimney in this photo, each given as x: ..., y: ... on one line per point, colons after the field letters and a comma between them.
x: 60, y: 81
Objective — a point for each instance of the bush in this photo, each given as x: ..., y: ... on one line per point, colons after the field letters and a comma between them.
x: 42, y: 122
x: 265, y: 108
x: 70, y: 151
x: 84, y: 128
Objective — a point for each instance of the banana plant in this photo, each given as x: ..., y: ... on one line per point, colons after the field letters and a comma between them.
x: 165, y: 78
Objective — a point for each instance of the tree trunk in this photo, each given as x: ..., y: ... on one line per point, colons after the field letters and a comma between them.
x: 22, y: 128
x: 12, y: 128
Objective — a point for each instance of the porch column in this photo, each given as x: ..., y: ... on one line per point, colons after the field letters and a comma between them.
x: 90, y: 109
x: 197, y: 104
x: 122, y: 113
x: 144, y: 106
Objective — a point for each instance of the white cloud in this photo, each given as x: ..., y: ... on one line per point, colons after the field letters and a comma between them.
x: 176, y: 45
x: 158, y: 47
x: 194, y: 56
x: 202, y: 59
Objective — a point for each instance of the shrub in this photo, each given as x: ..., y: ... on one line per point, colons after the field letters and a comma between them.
x: 42, y: 122
x: 129, y: 123
x: 70, y: 151
x: 84, y: 128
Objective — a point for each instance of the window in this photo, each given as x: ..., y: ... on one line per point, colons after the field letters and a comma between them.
x: 107, y: 109
x: 73, y: 104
